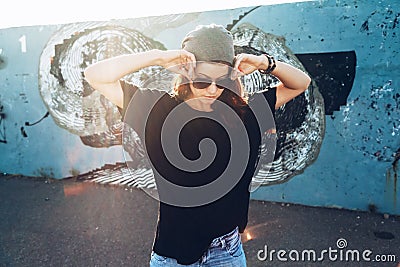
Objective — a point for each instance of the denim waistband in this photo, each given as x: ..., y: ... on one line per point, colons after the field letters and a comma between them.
x: 227, y: 239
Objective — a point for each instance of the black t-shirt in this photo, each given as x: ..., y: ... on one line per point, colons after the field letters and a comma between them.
x: 185, y: 230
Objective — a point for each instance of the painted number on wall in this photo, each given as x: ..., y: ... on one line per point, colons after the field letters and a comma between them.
x: 22, y: 41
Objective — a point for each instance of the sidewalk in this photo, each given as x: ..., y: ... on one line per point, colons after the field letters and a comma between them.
x: 75, y: 223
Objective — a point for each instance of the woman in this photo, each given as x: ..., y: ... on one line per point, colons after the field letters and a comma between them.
x: 198, y: 227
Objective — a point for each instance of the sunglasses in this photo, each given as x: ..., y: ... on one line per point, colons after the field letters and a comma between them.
x: 221, y: 83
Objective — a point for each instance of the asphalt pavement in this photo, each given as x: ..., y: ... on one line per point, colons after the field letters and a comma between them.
x: 69, y: 222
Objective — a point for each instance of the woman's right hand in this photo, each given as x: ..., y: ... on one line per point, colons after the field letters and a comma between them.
x: 178, y: 61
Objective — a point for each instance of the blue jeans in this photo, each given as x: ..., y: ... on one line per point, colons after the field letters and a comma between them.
x: 224, y: 251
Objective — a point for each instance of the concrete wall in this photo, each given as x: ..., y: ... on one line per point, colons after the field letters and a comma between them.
x: 355, y: 165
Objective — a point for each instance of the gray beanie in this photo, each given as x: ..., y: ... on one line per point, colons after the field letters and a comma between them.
x: 210, y: 43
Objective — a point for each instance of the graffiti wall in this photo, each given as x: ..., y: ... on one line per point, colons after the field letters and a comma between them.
x: 337, y: 144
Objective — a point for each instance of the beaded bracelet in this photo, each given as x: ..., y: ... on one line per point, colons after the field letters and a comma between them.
x: 271, y: 64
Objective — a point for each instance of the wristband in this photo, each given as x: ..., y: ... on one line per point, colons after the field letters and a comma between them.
x: 271, y: 64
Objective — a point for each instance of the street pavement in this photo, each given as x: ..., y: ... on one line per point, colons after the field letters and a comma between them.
x: 69, y: 222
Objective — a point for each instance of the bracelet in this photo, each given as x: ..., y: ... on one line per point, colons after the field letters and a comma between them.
x: 271, y: 64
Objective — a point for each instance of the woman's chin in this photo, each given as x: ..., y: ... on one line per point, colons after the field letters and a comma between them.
x: 202, y: 103
x: 206, y: 103
x: 207, y: 100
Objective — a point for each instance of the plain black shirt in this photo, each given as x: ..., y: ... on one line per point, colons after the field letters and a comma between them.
x: 185, y: 233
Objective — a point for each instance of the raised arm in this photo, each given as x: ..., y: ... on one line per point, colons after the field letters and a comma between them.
x: 293, y: 81
x: 104, y: 75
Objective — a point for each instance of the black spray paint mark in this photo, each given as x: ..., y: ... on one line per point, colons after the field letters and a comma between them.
x: 27, y: 123
x: 385, y: 20
x: 31, y: 124
x: 364, y: 26
x: 396, y: 21
x: 24, y: 98
x: 3, y: 138
x: 23, y: 132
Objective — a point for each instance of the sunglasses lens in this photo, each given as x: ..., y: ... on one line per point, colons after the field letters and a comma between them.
x: 224, y: 83
x: 201, y: 85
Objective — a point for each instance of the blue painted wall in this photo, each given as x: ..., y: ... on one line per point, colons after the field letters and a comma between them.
x: 357, y: 166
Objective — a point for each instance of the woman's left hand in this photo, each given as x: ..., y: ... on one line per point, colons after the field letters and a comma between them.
x: 246, y: 64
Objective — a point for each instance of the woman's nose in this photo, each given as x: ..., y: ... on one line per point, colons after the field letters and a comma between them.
x: 212, y: 89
